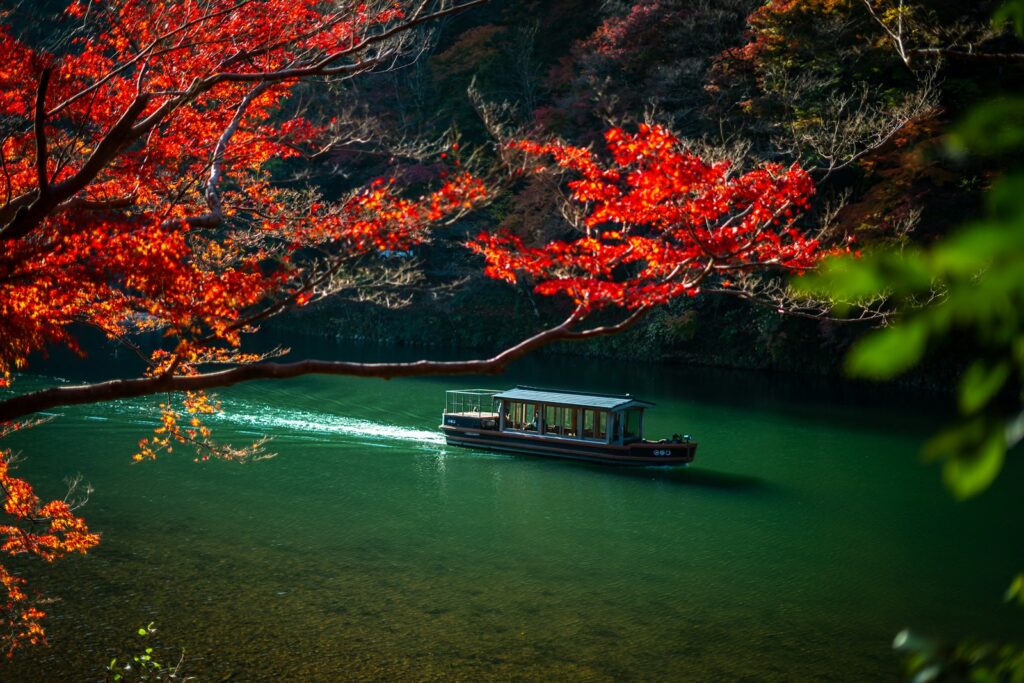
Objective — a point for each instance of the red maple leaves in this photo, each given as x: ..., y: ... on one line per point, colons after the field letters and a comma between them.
x: 45, y: 530
x: 656, y: 221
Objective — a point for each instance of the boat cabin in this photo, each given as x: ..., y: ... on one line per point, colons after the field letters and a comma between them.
x: 572, y: 415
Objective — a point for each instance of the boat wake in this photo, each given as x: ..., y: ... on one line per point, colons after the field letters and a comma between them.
x: 270, y: 421
x: 262, y: 419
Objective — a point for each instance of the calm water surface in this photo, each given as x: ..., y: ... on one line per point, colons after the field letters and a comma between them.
x: 806, y: 534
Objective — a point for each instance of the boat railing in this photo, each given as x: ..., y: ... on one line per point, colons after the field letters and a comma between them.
x: 470, y: 401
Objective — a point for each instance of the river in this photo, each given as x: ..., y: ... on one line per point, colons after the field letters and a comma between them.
x: 804, y: 536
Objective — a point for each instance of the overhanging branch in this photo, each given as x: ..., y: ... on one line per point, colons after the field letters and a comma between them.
x: 54, y: 397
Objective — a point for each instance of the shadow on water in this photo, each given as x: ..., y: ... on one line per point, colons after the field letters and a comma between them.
x: 708, y: 479
x: 681, y: 476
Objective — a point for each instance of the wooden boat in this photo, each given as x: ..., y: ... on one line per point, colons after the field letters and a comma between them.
x: 602, y: 428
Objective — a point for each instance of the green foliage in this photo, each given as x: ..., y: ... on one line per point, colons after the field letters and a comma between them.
x: 143, y: 667
x: 889, y: 353
x: 972, y: 451
x: 992, y: 128
x: 970, y: 284
x: 981, y: 383
x: 967, y: 662
x: 1012, y: 12
x: 1015, y: 593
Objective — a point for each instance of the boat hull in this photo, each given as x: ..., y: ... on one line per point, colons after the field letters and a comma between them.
x: 637, y: 454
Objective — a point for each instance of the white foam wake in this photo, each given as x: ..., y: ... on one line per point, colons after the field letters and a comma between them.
x: 321, y: 423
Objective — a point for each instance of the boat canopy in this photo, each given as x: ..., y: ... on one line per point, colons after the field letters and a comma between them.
x: 573, y: 398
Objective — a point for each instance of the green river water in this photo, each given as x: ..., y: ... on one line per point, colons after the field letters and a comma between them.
x: 805, y: 535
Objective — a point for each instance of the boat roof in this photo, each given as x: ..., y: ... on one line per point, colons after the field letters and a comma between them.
x: 574, y: 398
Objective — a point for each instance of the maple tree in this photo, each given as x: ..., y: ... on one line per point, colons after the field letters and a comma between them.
x: 137, y: 195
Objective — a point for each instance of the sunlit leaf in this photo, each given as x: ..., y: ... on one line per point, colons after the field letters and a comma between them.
x: 981, y: 382
x: 1016, y: 590
x: 843, y: 277
x: 888, y: 352
x: 973, y: 454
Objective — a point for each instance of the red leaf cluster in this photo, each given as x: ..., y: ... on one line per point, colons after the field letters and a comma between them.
x: 45, y: 530
x: 657, y: 220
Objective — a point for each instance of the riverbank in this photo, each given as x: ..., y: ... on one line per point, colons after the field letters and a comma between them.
x: 711, y: 332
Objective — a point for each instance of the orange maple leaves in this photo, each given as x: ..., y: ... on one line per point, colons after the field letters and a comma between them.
x: 657, y: 221
x: 45, y: 530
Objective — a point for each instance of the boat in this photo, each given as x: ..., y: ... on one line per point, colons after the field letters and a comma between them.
x: 555, y: 423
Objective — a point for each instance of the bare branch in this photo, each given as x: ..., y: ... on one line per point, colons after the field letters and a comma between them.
x: 896, y: 36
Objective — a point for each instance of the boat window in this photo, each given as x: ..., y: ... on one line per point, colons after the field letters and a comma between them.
x: 552, y: 419
x: 569, y: 417
x: 595, y: 425
x: 531, y: 417
x: 521, y: 416
x: 631, y: 429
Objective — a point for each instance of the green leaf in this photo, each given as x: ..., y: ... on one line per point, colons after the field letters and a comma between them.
x: 888, y: 352
x: 142, y: 631
x: 971, y: 471
x: 973, y: 249
x: 981, y: 382
x: 1011, y: 11
x: 1016, y: 590
x: 991, y: 128
x: 843, y: 278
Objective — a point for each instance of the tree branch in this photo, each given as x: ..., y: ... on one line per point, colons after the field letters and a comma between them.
x: 47, y: 399
x: 30, y: 209
x: 970, y: 54
x: 215, y: 216
x: 895, y: 36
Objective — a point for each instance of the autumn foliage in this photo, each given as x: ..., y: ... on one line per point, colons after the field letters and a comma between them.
x: 137, y: 195
x: 655, y: 221
x: 45, y: 530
